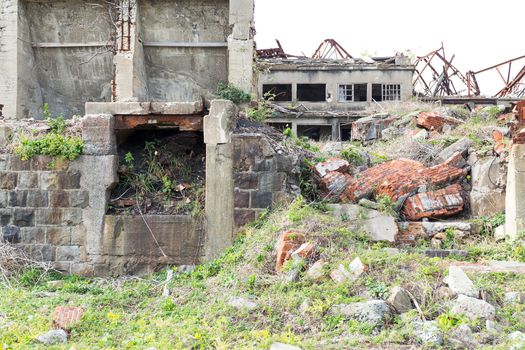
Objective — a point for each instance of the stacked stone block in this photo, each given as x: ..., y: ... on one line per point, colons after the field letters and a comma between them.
x: 263, y: 176
x: 41, y: 209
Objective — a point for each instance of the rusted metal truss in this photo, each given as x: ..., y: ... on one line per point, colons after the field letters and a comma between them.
x: 513, y: 86
x: 277, y: 52
x: 331, y: 49
x: 437, y: 76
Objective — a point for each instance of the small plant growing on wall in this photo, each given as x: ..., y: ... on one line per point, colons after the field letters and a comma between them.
x: 232, y: 93
x: 57, y: 142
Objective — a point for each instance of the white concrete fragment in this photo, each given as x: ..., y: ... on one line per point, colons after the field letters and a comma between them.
x: 459, y: 282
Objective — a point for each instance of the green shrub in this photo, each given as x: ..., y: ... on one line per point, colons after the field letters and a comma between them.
x: 55, y: 143
x: 352, y: 155
x: 232, y: 93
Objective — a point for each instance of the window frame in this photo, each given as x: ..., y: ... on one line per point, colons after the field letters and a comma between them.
x: 345, y: 86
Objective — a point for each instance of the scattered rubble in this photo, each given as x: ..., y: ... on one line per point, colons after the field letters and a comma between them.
x: 315, y: 272
x: 355, y: 269
x: 473, y: 308
x: 461, y: 337
x: 64, y: 317
x: 400, y: 300
x: 435, y: 204
x: 459, y: 282
x: 435, y: 121
x: 282, y: 346
x: 289, y: 242
x: 374, y: 312
x: 428, y: 333
x: 56, y: 336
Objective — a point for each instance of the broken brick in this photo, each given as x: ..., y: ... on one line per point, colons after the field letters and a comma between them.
x: 305, y: 251
x: 333, y: 164
x: 64, y: 317
x: 435, y: 121
x: 333, y: 184
x: 289, y: 242
x: 444, y: 202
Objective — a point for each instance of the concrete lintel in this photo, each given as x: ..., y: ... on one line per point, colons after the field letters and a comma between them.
x: 145, y: 108
x: 60, y: 45
x: 184, y: 44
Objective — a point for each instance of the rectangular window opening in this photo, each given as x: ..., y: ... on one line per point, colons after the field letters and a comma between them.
x: 391, y: 92
x: 377, y: 92
x: 311, y: 92
x: 281, y: 92
x: 360, y: 92
x: 346, y: 93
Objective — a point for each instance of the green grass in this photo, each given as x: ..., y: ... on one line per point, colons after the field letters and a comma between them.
x: 130, y: 313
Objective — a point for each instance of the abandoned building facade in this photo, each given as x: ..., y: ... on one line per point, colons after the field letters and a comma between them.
x: 331, y: 93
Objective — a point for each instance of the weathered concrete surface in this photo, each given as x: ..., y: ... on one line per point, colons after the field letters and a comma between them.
x: 489, y: 180
x: 184, y: 73
x: 145, y: 108
x: 219, y: 123
x: 9, y: 57
x: 379, y: 226
x: 515, y: 200
x: 131, y: 248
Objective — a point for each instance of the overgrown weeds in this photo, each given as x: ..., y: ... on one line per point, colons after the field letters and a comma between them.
x: 57, y: 142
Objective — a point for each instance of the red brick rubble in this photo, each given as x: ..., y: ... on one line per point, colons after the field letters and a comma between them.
x: 445, y: 202
x: 435, y: 121
x: 64, y: 317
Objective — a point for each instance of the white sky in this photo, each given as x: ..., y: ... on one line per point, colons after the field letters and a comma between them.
x: 479, y: 32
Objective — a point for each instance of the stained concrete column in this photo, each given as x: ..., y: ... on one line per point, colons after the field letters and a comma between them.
x: 336, y: 130
x: 515, y: 192
x: 241, y: 45
x: 130, y: 84
x: 8, y: 57
x: 219, y: 177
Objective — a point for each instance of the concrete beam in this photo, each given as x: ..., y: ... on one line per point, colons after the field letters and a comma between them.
x: 62, y: 45
x: 183, y: 44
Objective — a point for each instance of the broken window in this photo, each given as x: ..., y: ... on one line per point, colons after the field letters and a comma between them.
x: 311, y: 92
x: 386, y: 92
x: 360, y: 92
x: 346, y: 93
x: 391, y: 92
x: 377, y: 92
x: 281, y: 92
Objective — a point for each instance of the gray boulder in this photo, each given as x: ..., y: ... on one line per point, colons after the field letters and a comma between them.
x: 473, y: 308
x: 379, y: 226
x: 461, y: 337
x: 462, y: 146
x: 514, y: 297
x: 400, y: 300
x: 428, y: 333
x: 56, y: 336
x: 375, y: 312
x: 489, y: 180
x: 459, y: 282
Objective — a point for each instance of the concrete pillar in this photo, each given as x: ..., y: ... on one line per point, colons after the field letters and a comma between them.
x: 8, y: 57
x: 241, y: 45
x: 294, y: 128
x: 336, y: 130
x: 515, y: 192
x: 130, y: 71
x: 219, y: 177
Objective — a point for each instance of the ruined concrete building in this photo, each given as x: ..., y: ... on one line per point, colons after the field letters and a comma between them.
x: 322, y: 97
x: 129, y: 68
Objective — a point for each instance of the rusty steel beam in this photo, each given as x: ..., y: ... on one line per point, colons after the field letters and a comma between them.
x: 181, y: 122
x: 331, y: 49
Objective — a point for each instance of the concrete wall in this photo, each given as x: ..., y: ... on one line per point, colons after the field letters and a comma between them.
x: 70, y: 76
x: 333, y: 78
x: 175, y: 72
x: 8, y: 57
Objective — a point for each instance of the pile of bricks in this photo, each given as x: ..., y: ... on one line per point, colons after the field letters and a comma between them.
x: 435, y: 121
x: 398, y: 179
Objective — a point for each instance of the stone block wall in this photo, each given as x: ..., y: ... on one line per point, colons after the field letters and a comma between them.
x: 264, y: 175
x: 42, y: 203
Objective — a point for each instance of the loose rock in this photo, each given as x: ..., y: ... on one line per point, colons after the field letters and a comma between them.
x: 400, y: 300
x: 241, y: 303
x: 56, y: 336
x: 459, y: 282
x: 428, y: 333
x: 282, y: 346
x: 461, y: 337
x: 375, y: 312
x: 473, y: 308
x: 315, y: 272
